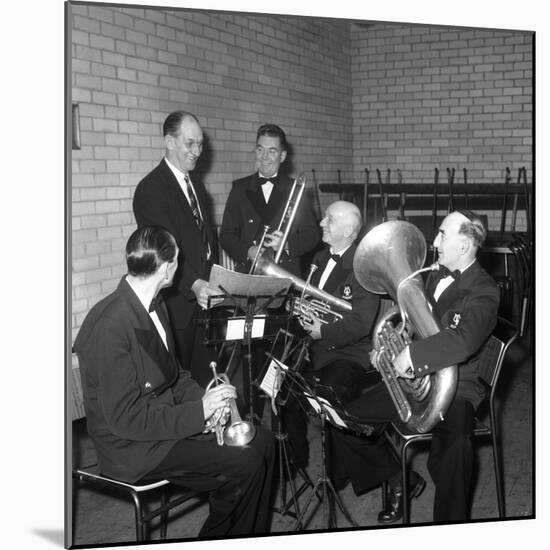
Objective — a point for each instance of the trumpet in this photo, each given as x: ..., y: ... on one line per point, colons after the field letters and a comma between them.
x: 239, y: 432
x: 285, y: 224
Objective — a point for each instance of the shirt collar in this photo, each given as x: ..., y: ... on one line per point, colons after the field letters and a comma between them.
x: 180, y: 176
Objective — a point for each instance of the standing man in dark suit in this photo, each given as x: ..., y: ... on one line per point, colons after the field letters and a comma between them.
x: 466, y: 304
x: 148, y: 418
x: 258, y: 200
x: 254, y: 202
x: 339, y: 353
x: 167, y: 197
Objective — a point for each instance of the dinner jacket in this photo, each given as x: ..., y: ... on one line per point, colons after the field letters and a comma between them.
x: 138, y: 400
x: 467, y: 313
x: 349, y: 337
x: 159, y: 200
x: 246, y: 213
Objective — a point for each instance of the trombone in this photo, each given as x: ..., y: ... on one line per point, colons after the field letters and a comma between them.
x: 285, y: 225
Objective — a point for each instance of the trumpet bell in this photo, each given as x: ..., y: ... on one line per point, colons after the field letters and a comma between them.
x: 239, y: 433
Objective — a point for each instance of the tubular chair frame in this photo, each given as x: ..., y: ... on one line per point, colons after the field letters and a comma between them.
x: 401, y: 438
x: 136, y: 492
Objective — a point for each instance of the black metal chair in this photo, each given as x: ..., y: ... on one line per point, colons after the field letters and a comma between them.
x: 401, y: 438
x: 136, y: 492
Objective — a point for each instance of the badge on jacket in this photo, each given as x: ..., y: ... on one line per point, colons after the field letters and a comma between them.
x: 456, y: 320
x: 346, y: 293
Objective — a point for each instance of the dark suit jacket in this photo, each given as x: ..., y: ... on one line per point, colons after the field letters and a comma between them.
x: 242, y: 222
x: 467, y: 312
x: 349, y: 337
x: 159, y: 200
x: 138, y: 399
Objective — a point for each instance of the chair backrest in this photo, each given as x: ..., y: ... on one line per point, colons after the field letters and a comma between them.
x: 494, y: 351
x: 76, y: 390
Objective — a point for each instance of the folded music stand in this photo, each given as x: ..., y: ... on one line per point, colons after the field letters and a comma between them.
x: 330, y: 410
x: 292, y: 356
x: 252, y: 296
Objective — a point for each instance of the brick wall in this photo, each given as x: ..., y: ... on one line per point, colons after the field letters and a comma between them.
x: 427, y: 97
x: 349, y: 97
x: 132, y: 66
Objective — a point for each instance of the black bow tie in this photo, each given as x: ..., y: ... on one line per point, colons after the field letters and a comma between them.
x: 155, y: 302
x: 336, y: 257
x: 262, y: 180
x: 443, y: 272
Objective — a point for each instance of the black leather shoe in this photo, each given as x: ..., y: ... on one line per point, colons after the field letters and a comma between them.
x: 394, y: 511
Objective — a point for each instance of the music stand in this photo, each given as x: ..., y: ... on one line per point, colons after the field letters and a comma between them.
x: 330, y: 410
x: 253, y: 296
x: 293, y: 354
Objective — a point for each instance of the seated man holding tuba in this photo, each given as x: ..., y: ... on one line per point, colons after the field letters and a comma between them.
x: 339, y: 352
x: 147, y: 417
x: 464, y: 300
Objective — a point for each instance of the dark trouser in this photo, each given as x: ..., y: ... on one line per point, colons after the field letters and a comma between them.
x: 344, y: 377
x: 192, y: 352
x: 369, y: 461
x: 238, y: 480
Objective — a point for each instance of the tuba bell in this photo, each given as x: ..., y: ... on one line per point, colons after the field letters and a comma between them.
x: 388, y: 260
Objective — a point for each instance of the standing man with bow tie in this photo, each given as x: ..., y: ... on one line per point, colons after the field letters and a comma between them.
x: 259, y: 200
x: 169, y: 197
x: 466, y: 305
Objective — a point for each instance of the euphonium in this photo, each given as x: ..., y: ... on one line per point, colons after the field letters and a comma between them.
x: 313, y: 301
x: 239, y: 432
x: 388, y: 260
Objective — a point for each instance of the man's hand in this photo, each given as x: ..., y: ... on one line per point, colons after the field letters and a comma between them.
x: 203, y: 290
x: 403, y: 364
x: 216, y: 398
x: 312, y: 325
x: 273, y: 240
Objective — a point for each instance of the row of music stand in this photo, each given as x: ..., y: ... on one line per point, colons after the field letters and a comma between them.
x: 281, y: 379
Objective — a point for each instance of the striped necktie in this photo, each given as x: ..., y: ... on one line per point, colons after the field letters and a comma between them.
x: 197, y: 215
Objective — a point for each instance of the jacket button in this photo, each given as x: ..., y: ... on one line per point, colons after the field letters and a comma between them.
x: 147, y: 385
x: 250, y: 220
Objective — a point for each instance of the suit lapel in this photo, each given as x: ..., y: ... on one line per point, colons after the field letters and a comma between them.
x: 148, y: 336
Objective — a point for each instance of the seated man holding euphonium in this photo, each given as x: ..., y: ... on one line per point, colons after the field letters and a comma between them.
x: 341, y: 344
x: 147, y: 417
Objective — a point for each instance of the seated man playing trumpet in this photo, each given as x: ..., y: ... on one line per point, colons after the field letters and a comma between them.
x: 339, y: 352
x: 147, y: 417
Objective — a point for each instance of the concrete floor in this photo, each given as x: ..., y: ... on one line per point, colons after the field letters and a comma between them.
x: 108, y: 519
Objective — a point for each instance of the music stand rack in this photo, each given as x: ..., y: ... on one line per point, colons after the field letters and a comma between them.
x: 333, y: 412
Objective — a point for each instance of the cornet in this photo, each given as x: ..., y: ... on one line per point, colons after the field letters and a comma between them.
x: 239, y: 432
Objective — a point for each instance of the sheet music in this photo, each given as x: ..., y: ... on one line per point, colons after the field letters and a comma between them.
x: 273, y: 378
x: 334, y: 417
x: 235, y: 328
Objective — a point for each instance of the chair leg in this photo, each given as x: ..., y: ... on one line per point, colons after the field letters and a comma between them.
x: 498, y: 468
x: 164, y: 515
x: 140, y: 528
x: 405, y: 484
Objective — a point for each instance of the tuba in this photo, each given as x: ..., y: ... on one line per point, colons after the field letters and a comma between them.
x: 389, y: 260
x: 313, y: 301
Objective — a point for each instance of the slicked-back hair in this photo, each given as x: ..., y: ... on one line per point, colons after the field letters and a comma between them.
x: 147, y: 249
x: 173, y: 122
x: 474, y: 228
x: 272, y: 130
